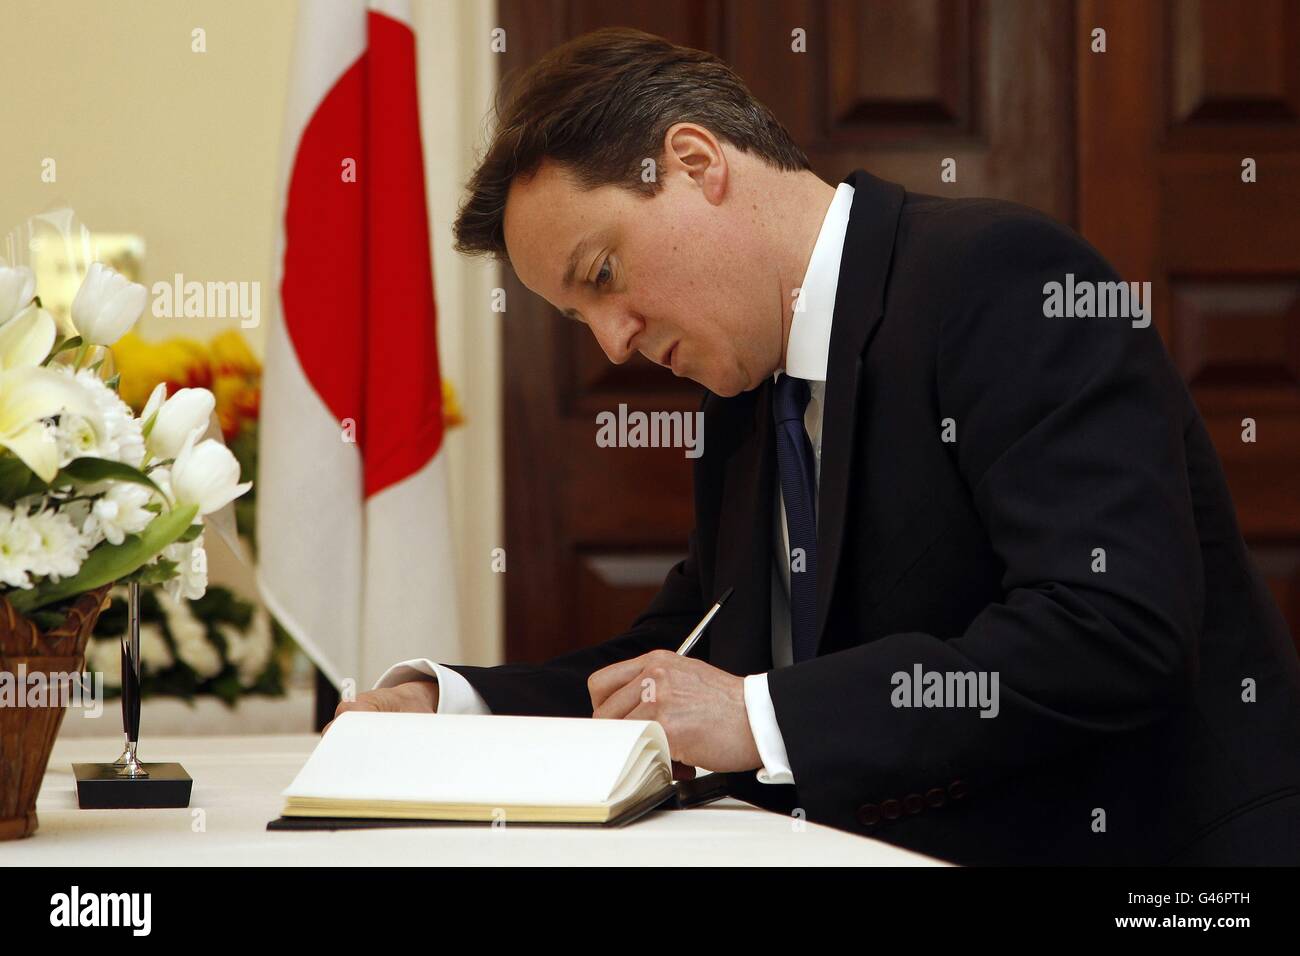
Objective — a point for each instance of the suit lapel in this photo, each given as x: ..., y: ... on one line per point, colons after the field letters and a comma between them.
x: 740, y: 638
x: 859, y: 307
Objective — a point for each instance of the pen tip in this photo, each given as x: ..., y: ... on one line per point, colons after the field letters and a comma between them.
x: 725, y: 594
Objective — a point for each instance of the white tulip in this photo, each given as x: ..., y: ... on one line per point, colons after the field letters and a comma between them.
x: 206, y: 474
x: 106, y: 305
x: 17, y: 286
x: 187, y: 410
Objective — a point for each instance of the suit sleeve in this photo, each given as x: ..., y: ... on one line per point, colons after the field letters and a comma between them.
x: 558, y: 688
x: 1069, y: 439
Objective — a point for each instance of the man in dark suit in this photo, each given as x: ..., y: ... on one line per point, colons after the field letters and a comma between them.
x: 991, y: 602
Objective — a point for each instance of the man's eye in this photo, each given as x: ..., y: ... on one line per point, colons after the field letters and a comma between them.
x: 604, y: 275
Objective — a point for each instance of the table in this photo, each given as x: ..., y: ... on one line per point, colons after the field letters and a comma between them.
x: 237, y: 784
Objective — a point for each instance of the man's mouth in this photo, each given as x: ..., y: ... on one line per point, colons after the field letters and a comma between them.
x: 667, y: 359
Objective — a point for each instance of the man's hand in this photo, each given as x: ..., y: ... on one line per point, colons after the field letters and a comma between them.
x: 701, y: 708
x: 417, y: 696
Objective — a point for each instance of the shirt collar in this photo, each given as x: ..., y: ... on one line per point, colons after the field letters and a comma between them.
x: 810, y: 330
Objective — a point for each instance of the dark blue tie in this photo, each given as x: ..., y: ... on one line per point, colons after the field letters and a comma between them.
x: 794, y: 458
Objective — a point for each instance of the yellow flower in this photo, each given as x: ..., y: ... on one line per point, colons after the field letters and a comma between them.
x: 232, y: 356
x: 180, y: 363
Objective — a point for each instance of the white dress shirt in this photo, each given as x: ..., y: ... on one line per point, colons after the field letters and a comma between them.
x: 806, y: 357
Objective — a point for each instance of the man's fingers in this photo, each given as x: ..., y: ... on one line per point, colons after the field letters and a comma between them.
x: 609, y: 679
x: 621, y: 702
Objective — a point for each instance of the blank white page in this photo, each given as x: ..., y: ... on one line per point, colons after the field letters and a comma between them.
x: 456, y: 758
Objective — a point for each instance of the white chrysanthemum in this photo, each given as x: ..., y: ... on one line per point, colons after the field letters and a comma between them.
x: 250, y: 652
x: 78, y: 512
x: 181, y: 622
x: 191, y: 580
x: 105, y: 657
x: 191, y: 638
x: 75, y: 438
x: 202, y: 656
x: 120, y: 511
x: 18, y: 541
x: 60, y: 547
x: 155, y: 652
x: 122, y: 439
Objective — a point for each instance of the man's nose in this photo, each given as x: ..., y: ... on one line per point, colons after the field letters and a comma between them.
x: 616, y: 332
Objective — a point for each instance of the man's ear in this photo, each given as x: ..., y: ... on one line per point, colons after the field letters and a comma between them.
x: 691, y: 149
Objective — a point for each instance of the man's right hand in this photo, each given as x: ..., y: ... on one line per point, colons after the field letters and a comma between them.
x: 417, y: 696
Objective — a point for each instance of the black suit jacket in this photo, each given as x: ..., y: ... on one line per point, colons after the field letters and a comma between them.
x: 1126, y: 732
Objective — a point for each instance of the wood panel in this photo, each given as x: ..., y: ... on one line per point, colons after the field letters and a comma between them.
x: 898, y: 87
x: 1232, y: 64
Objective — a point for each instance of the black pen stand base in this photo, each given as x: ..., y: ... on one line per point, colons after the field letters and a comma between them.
x: 100, y: 788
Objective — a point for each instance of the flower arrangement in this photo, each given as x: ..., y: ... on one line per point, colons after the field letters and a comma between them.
x: 218, y: 645
x: 91, y: 493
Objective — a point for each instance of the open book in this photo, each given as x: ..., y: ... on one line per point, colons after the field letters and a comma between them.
x: 375, y: 766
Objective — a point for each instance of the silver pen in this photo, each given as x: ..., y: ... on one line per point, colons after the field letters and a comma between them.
x: 695, y: 635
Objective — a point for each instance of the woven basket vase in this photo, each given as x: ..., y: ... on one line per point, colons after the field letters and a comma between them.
x: 27, y: 733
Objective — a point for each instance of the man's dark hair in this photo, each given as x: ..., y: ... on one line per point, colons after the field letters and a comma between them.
x: 600, y: 105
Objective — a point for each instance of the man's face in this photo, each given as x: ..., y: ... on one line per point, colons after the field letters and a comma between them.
x: 678, y: 277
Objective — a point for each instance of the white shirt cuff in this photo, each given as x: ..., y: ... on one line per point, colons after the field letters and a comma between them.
x: 766, y: 731
x: 456, y: 695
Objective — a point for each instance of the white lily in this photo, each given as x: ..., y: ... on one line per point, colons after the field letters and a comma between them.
x: 17, y: 286
x: 106, y: 305
x: 206, y: 474
x: 187, y: 410
x: 26, y: 339
x: 29, y: 393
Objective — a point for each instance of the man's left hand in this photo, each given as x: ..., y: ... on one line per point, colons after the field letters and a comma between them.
x: 701, y: 708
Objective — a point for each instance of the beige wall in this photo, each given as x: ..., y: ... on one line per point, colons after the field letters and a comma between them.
x: 149, y: 137
x: 182, y: 148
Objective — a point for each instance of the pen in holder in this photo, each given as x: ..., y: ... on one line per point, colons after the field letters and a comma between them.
x: 126, y: 782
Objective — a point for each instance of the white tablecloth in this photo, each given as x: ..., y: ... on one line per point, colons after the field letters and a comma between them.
x: 237, y: 784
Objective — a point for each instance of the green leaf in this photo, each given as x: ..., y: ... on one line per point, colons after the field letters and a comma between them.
x: 88, y: 471
x: 147, y: 428
x: 17, y: 480
x: 71, y: 342
x: 109, y: 562
x: 192, y: 532
x: 159, y: 572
